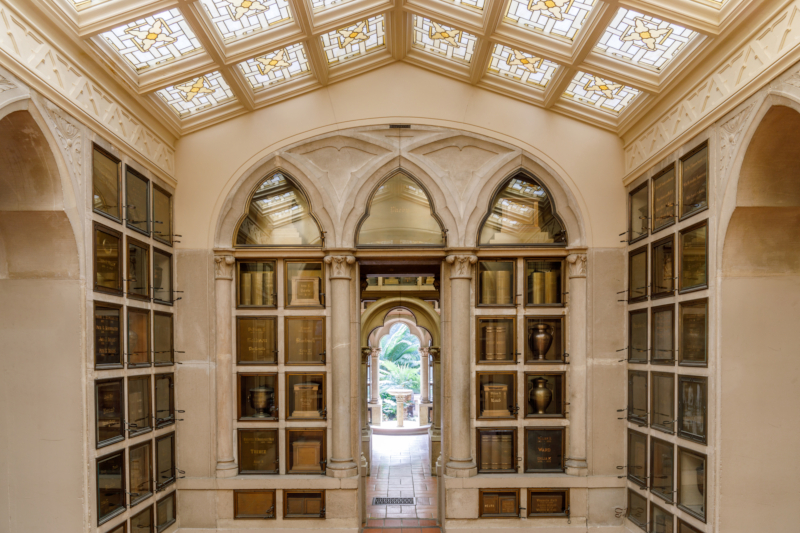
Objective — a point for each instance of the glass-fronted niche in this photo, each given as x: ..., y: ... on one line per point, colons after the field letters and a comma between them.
x: 162, y: 215
x: 258, y: 397
x: 305, y: 284
x: 256, y: 284
x: 661, y: 521
x: 637, y: 275
x: 496, y: 340
x: 306, y: 452
x: 662, y: 321
x: 256, y: 340
x: 303, y: 504
x: 162, y: 277
x: 544, y: 449
x: 637, y: 509
x: 662, y: 274
x: 637, y: 457
x: 546, y: 503
x: 664, y: 202
x: 258, y: 451
x: 163, y: 335
x: 107, y: 336
x: 400, y: 213
x: 496, y: 395
x: 305, y: 340
x: 692, y: 408
x: 544, y: 285
x: 545, y: 394
x: 305, y: 396
x: 166, y: 512
x: 495, y: 503
x: 662, y: 401
x: 693, y: 258
x: 137, y: 201
x: 138, y: 270
x: 107, y: 260
x: 522, y: 212
x: 138, y: 337
x: 109, y: 417
x: 546, y: 339
x: 278, y: 214
x: 110, y: 486
x: 496, y: 283
x: 694, y: 182
x: 139, y: 406
x: 638, y: 213
x: 693, y: 333
x: 165, y: 461
x: 140, y: 472
x: 497, y: 450
x: 637, y: 397
x: 662, y: 468
x: 692, y: 483
x: 254, y: 504
x: 106, y: 179
x: 637, y: 336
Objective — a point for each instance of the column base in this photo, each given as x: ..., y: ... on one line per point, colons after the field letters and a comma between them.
x: 577, y: 467
x: 377, y: 413
x: 339, y: 468
x: 227, y: 469
x: 461, y: 468
x: 424, y: 412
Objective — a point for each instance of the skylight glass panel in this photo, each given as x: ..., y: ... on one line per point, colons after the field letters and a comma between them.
x: 196, y: 95
x: 154, y: 40
x: 83, y: 4
x: 356, y: 40
x: 322, y: 5
x: 235, y: 19
x: 643, y: 40
x: 561, y: 18
x: 276, y: 67
x: 521, y: 67
x: 600, y: 93
x: 474, y: 4
x: 443, y: 41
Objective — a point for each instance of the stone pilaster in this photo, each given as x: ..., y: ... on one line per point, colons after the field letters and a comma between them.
x: 375, y: 394
x: 576, y: 457
x: 424, y: 397
x: 341, y: 463
x: 223, y: 276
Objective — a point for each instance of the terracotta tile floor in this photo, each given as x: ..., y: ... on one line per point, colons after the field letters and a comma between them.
x: 400, y: 469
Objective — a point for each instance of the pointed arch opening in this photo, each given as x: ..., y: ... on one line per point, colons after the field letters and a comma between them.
x: 278, y: 214
x: 400, y: 212
x: 522, y: 212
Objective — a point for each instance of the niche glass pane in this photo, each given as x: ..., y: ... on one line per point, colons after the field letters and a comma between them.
x: 662, y: 480
x: 137, y: 200
x: 637, y: 457
x: 544, y: 395
x: 253, y: 504
x: 496, y: 450
x: 165, y: 461
x: 162, y: 214
x: 663, y: 522
x: 692, y: 332
x: 107, y: 337
x: 306, y: 396
x: 499, y: 503
x: 109, y: 421
x: 496, y: 282
x: 692, y: 483
x: 548, y: 502
x: 662, y: 401
x: 165, y: 512
x: 139, y: 415
x: 140, y: 473
x: 663, y: 323
x: 304, y: 504
x: 257, y: 287
x: 637, y: 509
x: 258, y: 396
x: 163, y: 353
x: 110, y: 486
x: 400, y: 214
x: 107, y: 261
x: 683, y: 527
x: 545, y: 340
x: 143, y: 522
x: 638, y: 213
x: 256, y: 340
x: 637, y: 397
x: 278, y: 214
x: 165, y: 399
x: 543, y: 282
x: 258, y: 451
x: 637, y: 342
x: 694, y: 182
x: 693, y: 247
x: 305, y: 450
x: 138, y: 270
x: 522, y: 213
x: 664, y: 199
x: 304, y: 284
x: 497, y: 395
x: 692, y: 402
x: 105, y: 183
x: 663, y: 268
x: 496, y: 340
x: 544, y: 449
x: 162, y: 276
x: 305, y: 340
x: 138, y: 337
x: 637, y: 275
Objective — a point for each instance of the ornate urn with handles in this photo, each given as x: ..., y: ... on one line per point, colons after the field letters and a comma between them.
x: 539, y: 396
x: 540, y: 337
x: 261, y: 399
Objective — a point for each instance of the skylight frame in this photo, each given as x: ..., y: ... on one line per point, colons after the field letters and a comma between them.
x: 580, y: 90
x: 262, y: 75
x: 183, y: 105
x: 222, y: 17
x: 424, y: 32
x: 339, y: 50
x: 544, y: 21
x: 501, y: 65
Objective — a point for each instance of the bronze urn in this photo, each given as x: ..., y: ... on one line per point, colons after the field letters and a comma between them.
x: 540, y: 396
x: 540, y: 337
x: 261, y: 399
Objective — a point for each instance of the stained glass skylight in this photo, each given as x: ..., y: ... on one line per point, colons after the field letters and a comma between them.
x: 561, y: 18
x: 643, y: 40
x: 521, y: 67
x: 442, y: 41
x: 600, y: 93
x: 235, y: 19
x: 196, y: 95
x: 474, y: 4
x: 322, y: 5
x: 154, y: 40
x: 276, y: 67
x: 355, y: 40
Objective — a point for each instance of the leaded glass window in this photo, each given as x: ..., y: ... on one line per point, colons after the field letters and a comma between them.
x: 521, y: 67
x: 600, y: 93
x: 356, y: 40
x: 236, y: 20
x: 555, y: 18
x: 197, y: 94
x: 442, y: 41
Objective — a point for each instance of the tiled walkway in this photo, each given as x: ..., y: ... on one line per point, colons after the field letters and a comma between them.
x: 400, y: 469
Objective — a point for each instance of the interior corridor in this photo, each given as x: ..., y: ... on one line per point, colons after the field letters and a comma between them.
x: 401, y: 469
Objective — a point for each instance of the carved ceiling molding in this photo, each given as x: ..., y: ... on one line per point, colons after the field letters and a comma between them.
x: 69, y: 136
x: 6, y: 85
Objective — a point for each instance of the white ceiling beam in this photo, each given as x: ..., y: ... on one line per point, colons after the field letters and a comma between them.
x: 399, y: 28
x: 483, y: 51
x: 558, y: 85
x: 687, y: 13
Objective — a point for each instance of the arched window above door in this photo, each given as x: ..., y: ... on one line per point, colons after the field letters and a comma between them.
x: 522, y: 213
x: 400, y: 213
x: 278, y: 214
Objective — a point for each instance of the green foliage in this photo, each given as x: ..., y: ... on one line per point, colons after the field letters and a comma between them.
x: 398, y: 376
x: 400, y: 346
x: 388, y: 406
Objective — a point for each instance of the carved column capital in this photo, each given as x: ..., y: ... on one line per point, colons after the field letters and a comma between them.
x: 365, y: 353
x: 461, y: 266
x: 434, y: 353
x: 340, y: 265
x: 576, y: 265
x: 223, y: 266
x: 424, y: 351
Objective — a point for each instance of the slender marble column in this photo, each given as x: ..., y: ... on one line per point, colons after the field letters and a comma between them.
x: 461, y: 463
x: 436, y: 423
x: 341, y: 463
x: 424, y: 389
x: 376, y: 375
x: 223, y: 274
x: 576, y: 459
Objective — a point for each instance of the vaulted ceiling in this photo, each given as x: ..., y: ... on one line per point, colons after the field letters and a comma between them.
x: 194, y: 63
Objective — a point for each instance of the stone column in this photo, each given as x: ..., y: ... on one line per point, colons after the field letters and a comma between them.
x: 223, y: 274
x: 375, y: 393
x: 461, y: 462
x: 576, y: 456
x: 341, y: 463
x: 436, y: 423
x: 424, y: 397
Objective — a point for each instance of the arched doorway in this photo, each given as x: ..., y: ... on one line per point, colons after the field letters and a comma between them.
x: 759, y: 303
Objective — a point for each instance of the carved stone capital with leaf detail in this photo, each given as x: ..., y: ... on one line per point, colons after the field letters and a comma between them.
x: 340, y: 265
x: 461, y: 266
x: 576, y: 264
x: 365, y: 353
x: 434, y: 353
x: 223, y: 266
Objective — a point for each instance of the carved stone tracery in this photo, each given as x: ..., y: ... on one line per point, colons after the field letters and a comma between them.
x: 69, y: 136
x: 730, y: 134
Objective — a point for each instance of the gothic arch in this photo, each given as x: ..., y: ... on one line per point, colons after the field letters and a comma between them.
x: 375, y: 317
